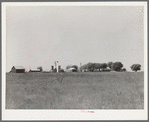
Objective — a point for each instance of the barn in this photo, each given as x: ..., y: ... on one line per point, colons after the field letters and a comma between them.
x: 17, y: 69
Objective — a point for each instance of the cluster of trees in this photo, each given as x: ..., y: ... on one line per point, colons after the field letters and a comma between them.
x: 113, y: 66
x: 117, y: 66
x: 93, y: 66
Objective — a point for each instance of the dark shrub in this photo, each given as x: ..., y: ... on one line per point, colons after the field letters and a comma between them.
x: 124, y: 70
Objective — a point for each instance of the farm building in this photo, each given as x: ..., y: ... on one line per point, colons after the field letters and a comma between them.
x: 17, y: 69
x: 34, y: 70
x: 71, y: 70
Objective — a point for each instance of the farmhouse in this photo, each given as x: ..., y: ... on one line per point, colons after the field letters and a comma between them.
x: 34, y: 70
x: 17, y: 69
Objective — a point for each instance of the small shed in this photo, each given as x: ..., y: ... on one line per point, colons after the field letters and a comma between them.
x: 34, y: 70
x: 17, y: 69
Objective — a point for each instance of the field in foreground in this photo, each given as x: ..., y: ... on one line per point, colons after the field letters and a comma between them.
x: 100, y: 90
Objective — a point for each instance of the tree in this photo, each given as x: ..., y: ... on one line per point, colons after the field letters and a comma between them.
x: 97, y: 66
x: 83, y: 67
x: 109, y: 64
x: 135, y: 67
x: 103, y: 66
x: 40, y: 68
x: 117, y: 66
x: 90, y: 67
x: 87, y: 67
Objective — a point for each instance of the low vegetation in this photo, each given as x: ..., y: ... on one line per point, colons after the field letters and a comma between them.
x: 104, y: 90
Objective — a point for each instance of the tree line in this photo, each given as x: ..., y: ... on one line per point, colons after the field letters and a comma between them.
x: 113, y: 66
x: 98, y: 67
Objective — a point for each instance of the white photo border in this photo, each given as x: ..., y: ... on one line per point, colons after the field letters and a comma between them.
x: 62, y: 114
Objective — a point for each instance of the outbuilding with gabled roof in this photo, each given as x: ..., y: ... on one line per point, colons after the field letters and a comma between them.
x: 17, y: 69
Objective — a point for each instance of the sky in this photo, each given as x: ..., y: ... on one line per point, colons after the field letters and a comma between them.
x: 39, y: 35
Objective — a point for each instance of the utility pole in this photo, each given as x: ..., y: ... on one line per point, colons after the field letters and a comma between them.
x: 80, y: 66
x: 57, y: 66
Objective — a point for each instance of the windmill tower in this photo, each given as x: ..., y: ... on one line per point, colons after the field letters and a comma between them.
x: 56, y: 65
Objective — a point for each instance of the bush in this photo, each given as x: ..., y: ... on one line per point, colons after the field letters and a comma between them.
x: 124, y: 70
x: 135, y: 67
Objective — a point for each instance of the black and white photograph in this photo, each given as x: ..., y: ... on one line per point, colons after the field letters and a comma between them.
x: 69, y: 59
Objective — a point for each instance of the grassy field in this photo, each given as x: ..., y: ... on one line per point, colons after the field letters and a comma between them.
x: 97, y: 90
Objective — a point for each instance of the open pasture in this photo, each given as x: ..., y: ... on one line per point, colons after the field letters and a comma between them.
x: 89, y: 90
